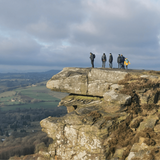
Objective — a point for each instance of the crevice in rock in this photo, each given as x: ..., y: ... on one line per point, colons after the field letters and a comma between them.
x: 72, y: 94
x: 75, y: 107
x: 87, y: 83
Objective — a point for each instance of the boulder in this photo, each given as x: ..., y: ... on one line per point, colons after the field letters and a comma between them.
x: 148, y: 122
x: 113, y: 97
x: 85, y: 81
x: 80, y: 134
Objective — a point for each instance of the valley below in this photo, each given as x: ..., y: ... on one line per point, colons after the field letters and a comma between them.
x: 22, y: 107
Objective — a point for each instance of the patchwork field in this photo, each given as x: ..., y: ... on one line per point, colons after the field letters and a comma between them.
x: 30, y: 97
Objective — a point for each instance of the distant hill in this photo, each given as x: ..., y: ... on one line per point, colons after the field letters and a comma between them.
x: 9, y: 81
x: 29, y: 75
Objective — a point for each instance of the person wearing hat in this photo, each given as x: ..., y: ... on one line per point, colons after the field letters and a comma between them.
x: 110, y: 60
x: 92, y: 57
x: 119, y: 61
x: 104, y: 59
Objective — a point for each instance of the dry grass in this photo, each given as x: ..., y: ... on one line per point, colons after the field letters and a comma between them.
x: 124, y: 136
x: 136, y: 83
x: 149, y: 107
x: 95, y: 115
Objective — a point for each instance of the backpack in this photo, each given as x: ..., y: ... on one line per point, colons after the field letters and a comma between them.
x: 94, y: 56
x: 104, y: 58
x: 119, y: 59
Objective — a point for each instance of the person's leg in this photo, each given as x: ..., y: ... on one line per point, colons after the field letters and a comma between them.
x: 110, y: 65
x: 92, y: 62
x: 103, y: 65
x: 119, y: 65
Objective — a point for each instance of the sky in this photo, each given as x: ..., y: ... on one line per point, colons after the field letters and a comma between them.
x: 41, y: 35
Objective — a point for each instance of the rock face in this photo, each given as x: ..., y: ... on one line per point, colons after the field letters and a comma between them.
x: 80, y: 134
x: 112, y: 115
x: 94, y: 82
x: 86, y: 83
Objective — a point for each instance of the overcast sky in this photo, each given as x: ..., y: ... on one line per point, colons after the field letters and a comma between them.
x: 40, y: 35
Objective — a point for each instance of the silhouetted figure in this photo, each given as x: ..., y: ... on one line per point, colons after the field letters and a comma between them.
x: 122, y: 61
x: 110, y: 60
x: 104, y: 59
x: 119, y: 61
x: 92, y: 57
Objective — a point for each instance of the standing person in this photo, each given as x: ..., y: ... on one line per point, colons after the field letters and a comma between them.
x: 104, y: 59
x: 92, y: 57
x: 122, y: 61
x: 110, y: 60
x: 119, y: 61
x: 126, y: 62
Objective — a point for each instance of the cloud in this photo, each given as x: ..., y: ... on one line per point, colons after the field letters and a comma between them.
x: 61, y: 33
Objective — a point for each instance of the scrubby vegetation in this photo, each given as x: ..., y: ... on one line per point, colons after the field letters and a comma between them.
x: 125, y: 133
x: 20, y: 131
x: 32, y: 143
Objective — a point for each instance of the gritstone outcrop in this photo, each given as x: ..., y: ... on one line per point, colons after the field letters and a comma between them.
x: 112, y: 115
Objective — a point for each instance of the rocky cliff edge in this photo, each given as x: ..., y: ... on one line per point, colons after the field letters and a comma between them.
x: 112, y: 115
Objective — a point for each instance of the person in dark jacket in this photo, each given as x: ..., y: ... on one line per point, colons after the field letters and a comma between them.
x: 122, y: 61
x: 119, y: 61
x: 104, y: 59
x: 110, y: 60
x: 92, y: 57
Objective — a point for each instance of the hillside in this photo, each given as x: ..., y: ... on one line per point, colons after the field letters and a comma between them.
x: 22, y: 107
x: 10, y: 81
x: 112, y: 114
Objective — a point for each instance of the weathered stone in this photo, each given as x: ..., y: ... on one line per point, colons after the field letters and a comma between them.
x: 116, y: 87
x: 119, y: 153
x: 98, y: 87
x: 74, y: 102
x: 149, y: 97
x: 138, y: 150
x: 85, y: 81
x: 106, y: 75
x: 71, y: 138
x: 157, y: 128
x: 136, y: 122
x: 112, y: 96
x: 78, y: 135
x: 70, y: 80
x: 149, y: 122
x: 149, y: 76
